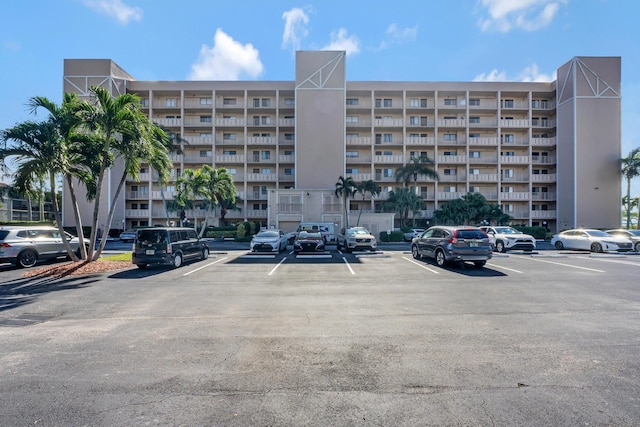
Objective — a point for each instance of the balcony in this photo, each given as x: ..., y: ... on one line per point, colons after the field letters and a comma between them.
x: 457, y: 177
x: 388, y: 122
x: 451, y: 159
x: 198, y: 159
x: 289, y: 208
x: 483, y: 177
x: 198, y: 122
x: 199, y: 140
x: 270, y: 177
x: 516, y: 195
x: 157, y: 195
x: 484, y: 159
x: 515, y: 123
x: 421, y: 140
x: 397, y: 159
x: 136, y: 213
x: 227, y: 159
x: 451, y: 123
x: 261, y: 140
x: 287, y: 122
x: 286, y: 177
x: 450, y: 195
x: 137, y: 195
x: 167, y: 122
x: 539, y: 214
x: 259, y: 159
x: 286, y: 158
x: 360, y: 177
x: 547, y: 142
x: 514, y: 159
x: 490, y: 140
x: 229, y: 122
x: 543, y: 160
x: 518, y: 177
x: 543, y: 178
x: 547, y: 195
x: 364, y: 140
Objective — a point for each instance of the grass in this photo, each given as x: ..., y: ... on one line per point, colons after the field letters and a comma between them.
x: 126, y: 256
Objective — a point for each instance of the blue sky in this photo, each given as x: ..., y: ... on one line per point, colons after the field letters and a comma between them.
x: 427, y: 40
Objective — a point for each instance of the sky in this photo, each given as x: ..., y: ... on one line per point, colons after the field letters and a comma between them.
x: 402, y: 40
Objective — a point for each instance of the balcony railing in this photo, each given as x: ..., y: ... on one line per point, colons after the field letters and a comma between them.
x: 487, y: 140
x: 516, y: 195
x: 539, y: 214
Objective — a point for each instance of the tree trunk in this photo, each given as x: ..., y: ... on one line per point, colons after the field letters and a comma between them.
x: 629, y: 202
x: 112, y: 211
x: 76, y: 215
x: 96, y: 209
x: 56, y: 213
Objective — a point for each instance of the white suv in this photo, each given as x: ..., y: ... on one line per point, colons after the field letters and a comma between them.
x: 507, y: 238
x: 26, y: 245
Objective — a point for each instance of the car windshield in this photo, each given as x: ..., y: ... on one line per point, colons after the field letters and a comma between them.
x: 358, y: 231
x: 152, y: 236
x: 507, y: 230
x: 597, y: 233
x: 634, y: 232
x: 268, y: 234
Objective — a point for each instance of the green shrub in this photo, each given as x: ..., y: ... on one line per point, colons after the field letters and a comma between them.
x: 240, y: 231
x: 216, y: 234
x: 394, y: 236
x: 536, y: 232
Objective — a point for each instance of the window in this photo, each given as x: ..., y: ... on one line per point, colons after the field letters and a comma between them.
x: 143, y: 170
x: 205, y: 101
x: 353, y: 135
x: 378, y: 138
x: 474, y: 171
x: 255, y: 170
x: 265, y: 155
x: 134, y: 206
x: 418, y: 103
x: 232, y: 171
x: 289, y: 137
x: 228, y: 117
x: 144, y: 102
x: 450, y: 153
x: 387, y: 173
x: 388, y: 137
x: 414, y: 120
x: 289, y: 171
x: 450, y: 171
x: 352, y: 154
x: 507, y: 207
x: 507, y: 138
x: 451, y: 101
x: 474, y: 135
x: 474, y: 119
x: 506, y: 189
x: 474, y: 189
x: 450, y: 117
x: 229, y: 152
x: 508, y: 153
x: 450, y: 189
x: 265, y: 170
x: 387, y: 153
x: 352, y: 101
x: 171, y: 102
x: 508, y: 173
x: 475, y: 154
x: 228, y: 101
x: 506, y: 103
x: 289, y: 152
x: 229, y: 136
x: 423, y: 121
x: 474, y: 102
x: 352, y: 119
x: 263, y: 189
x: 205, y: 119
x: 144, y: 189
x: 256, y: 206
x: 206, y: 134
x: 205, y: 153
x: 450, y: 137
x: 144, y: 205
x: 289, y: 101
x: 352, y: 171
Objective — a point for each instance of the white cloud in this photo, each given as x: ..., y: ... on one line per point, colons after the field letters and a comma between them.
x: 295, y: 21
x: 226, y: 60
x: 528, y: 74
x: 340, y: 40
x: 528, y: 15
x: 398, y: 35
x: 116, y: 9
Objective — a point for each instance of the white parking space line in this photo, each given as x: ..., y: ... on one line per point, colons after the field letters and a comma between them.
x: 204, y: 266
x: 504, y: 268
x: 634, y: 263
x: 421, y: 265
x: 349, y: 266
x: 568, y: 265
x: 273, y: 270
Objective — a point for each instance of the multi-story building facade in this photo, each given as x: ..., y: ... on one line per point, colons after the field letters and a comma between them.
x: 547, y: 153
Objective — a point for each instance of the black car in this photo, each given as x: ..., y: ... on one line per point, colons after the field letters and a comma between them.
x: 167, y: 246
x: 453, y: 244
x: 309, y: 242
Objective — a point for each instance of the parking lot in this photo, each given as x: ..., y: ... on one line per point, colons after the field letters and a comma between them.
x: 549, y: 338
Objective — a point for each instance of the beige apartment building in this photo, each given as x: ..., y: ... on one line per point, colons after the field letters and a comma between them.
x: 547, y: 153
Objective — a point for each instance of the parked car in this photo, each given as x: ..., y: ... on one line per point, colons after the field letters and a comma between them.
x: 591, y: 240
x: 167, y: 246
x: 508, y: 239
x: 25, y: 246
x: 356, y: 238
x: 453, y: 244
x: 633, y: 235
x: 413, y: 232
x: 309, y: 242
x: 127, y: 235
x: 272, y: 240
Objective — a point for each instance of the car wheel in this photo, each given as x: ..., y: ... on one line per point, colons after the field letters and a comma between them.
x: 637, y: 247
x: 205, y: 253
x: 479, y: 264
x: 415, y: 252
x: 500, y: 247
x: 27, y: 259
x: 440, y: 259
x: 559, y: 245
x: 177, y: 260
x: 143, y: 266
x: 596, y: 247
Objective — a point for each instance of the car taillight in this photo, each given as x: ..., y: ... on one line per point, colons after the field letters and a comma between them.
x: 5, y: 245
x: 454, y: 239
x: 168, y: 248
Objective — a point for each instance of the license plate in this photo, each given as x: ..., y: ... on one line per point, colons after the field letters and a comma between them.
x: 473, y: 245
x: 149, y: 252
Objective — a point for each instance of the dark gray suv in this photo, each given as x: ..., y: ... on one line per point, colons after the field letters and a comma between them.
x: 167, y: 246
x: 453, y: 244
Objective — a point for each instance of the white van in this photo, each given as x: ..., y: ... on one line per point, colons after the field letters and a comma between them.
x: 326, y: 229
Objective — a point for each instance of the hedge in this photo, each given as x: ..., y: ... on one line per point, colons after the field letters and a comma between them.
x: 394, y: 236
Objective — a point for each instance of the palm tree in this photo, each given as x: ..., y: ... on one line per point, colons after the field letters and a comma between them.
x: 123, y: 131
x: 345, y: 188
x: 39, y: 151
x: 212, y: 185
x: 630, y: 170
x: 365, y: 187
x: 403, y: 201
x: 416, y: 166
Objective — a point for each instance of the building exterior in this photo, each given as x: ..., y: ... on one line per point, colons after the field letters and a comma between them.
x: 548, y: 153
